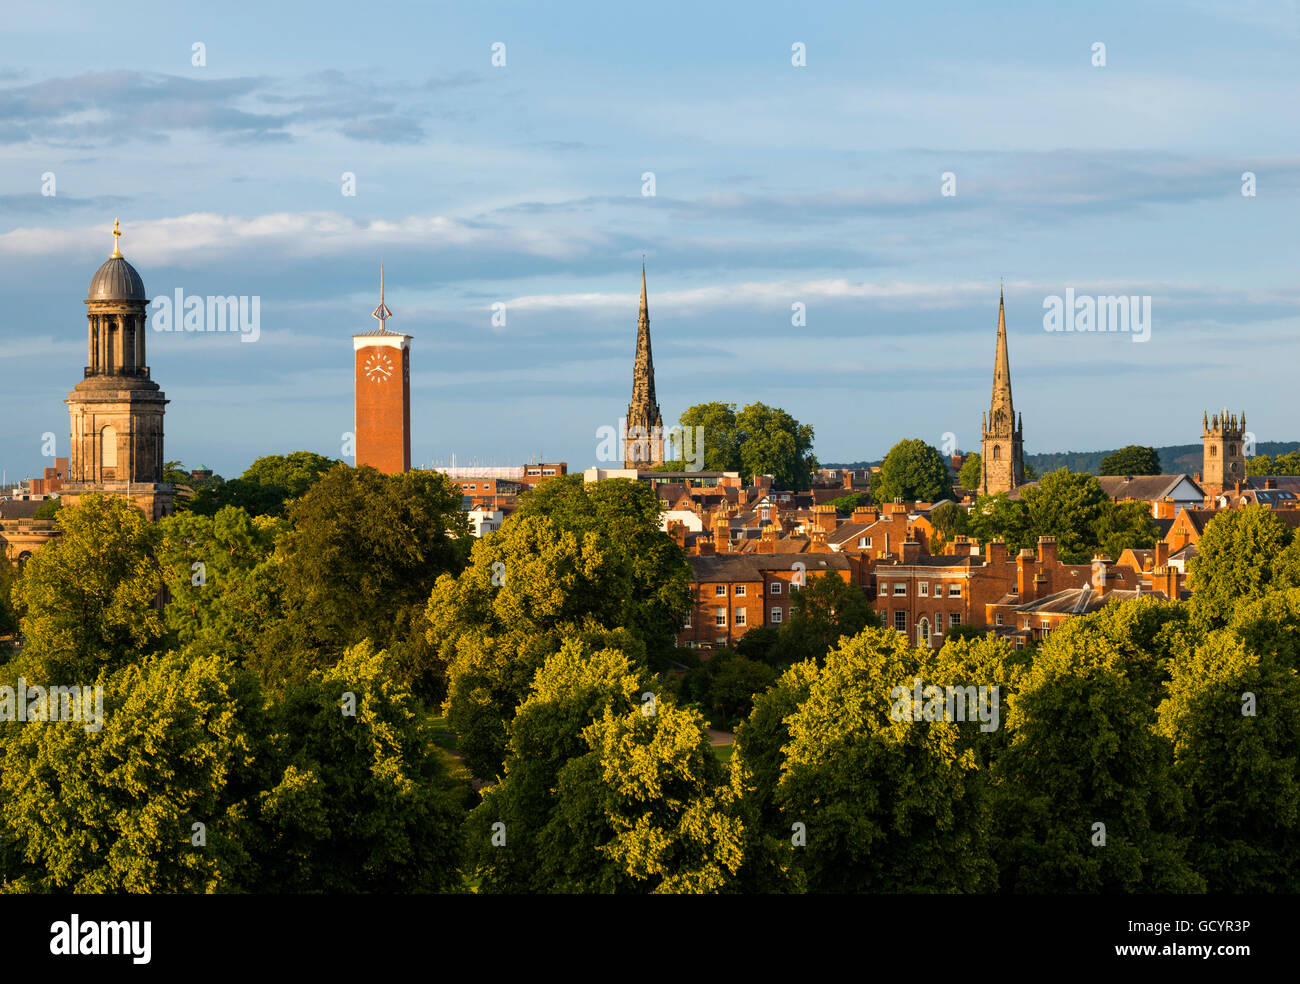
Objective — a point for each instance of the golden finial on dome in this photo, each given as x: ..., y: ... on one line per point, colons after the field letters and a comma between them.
x: 117, y: 240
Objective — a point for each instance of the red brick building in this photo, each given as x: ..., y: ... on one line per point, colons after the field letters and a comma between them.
x: 736, y: 592
x: 383, y: 394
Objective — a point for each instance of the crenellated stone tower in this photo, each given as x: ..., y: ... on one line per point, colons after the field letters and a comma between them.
x: 1223, y: 451
x: 116, y: 410
x: 644, y: 443
x: 1001, y: 446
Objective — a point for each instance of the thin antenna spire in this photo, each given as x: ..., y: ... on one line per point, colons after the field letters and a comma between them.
x: 381, y: 313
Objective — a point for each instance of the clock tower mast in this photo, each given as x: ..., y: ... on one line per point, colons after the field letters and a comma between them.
x: 383, y: 393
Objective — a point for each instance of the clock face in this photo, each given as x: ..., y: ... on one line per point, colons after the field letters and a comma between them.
x: 379, y: 367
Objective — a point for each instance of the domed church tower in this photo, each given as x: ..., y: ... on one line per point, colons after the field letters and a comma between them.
x: 116, y: 410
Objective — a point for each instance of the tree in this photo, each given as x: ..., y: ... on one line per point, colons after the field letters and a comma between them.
x: 886, y: 803
x: 822, y: 611
x: 47, y: 509
x: 1125, y: 526
x: 625, y: 517
x: 119, y: 809
x: 721, y: 439
x: 971, y: 473
x: 86, y: 598
x: 725, y: 686
x: 998, y: 516
x: 1132, y: 460
x: 223, y: 585
x: 1233, y: 717
x: 1081, y: 752
x: 1282, y: 464
x: 574, y: 687
x: 773, y: 443
x: 360, y: 799
x: 1067, y: 506
x: 266, y: 485
x: 914, y: 472
x: 1242, y: 554
x: 1270, y: 626
x: 361, y: 558
x: 645, y: 809
x: 845, y: 504
x: 8, y: 616
x: 759, y: 440
x: 949, y: 520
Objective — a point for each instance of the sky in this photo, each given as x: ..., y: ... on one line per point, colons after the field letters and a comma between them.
x: 524, y: 184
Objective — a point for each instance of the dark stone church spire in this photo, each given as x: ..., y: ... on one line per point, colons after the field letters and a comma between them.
x: 644, y: 443
x: 1001, y: 447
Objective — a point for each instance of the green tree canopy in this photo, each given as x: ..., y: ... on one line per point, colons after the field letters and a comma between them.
x: 266, y: 485
x: 1242, y: 554
x: 759, y: 440
x: 114, y: 810
x: 87, y: 597
x: 1233, y: 717
x: 1068, y: 506
x: 360, y: 799
x: 1081, y: 751
x: 223, y: 584
x: 361, y: 557
x: 971, y: 472
x: 914, y: 472
x: 822, y: 611
x: 1132, y: 460
x: 886, y: 805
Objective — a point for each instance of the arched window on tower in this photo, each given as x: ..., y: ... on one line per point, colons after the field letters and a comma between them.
x: 108, y: 447
x: 1214, y: 452
x: 997, y: 452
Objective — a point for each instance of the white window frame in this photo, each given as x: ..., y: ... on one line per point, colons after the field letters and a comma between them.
x: 719, y: 591
x: 719, y: 616
x: 739, y: 617
x: 776, y: 588
x: 923, y: 589
x: 954, y: 591
x: 777, y: 615
x: 900, y: 589
x: 740, y: 591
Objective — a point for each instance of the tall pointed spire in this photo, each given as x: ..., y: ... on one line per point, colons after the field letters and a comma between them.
x: 1002, y: 461
x: 644, y: 445
x: 1002, y: 367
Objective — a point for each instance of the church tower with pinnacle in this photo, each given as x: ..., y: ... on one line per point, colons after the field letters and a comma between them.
x: 383, y: 394
x: 644, y: 442
x: 1223, y: 451
x: 116, y: 411
x: 1002, y: 466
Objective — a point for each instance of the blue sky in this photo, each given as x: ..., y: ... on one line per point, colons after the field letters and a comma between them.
x: 774, y: 185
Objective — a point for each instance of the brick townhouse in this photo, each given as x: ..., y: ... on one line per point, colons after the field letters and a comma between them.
x: 733, y: 593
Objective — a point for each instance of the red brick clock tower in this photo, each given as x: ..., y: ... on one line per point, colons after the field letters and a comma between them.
x: 383, y: 394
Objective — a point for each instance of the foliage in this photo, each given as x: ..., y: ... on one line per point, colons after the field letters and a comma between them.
x: 725, y: 686
x: 1067, y: 506
x: 1081, y: 751
x: 647, y: 564
x: 1241, y: 554
x: 362, y: 554
x: 360, y: 802
x: 822, y: 611
x: 845, y: 504
x: 223, y: 583
x: 914, y: 472
x: 759, y: 440
x: 1282, y: 464
x: 1233, y: 717
x: 265, y: 487
x: 48, y: 509
x: 1132, y: 460
x: 114, y: 810
x: 887, y: 805
x: 971, y: 472
x: 86, y: 598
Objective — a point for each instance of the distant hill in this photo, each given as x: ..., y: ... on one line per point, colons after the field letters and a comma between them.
x: 1184, y: 459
